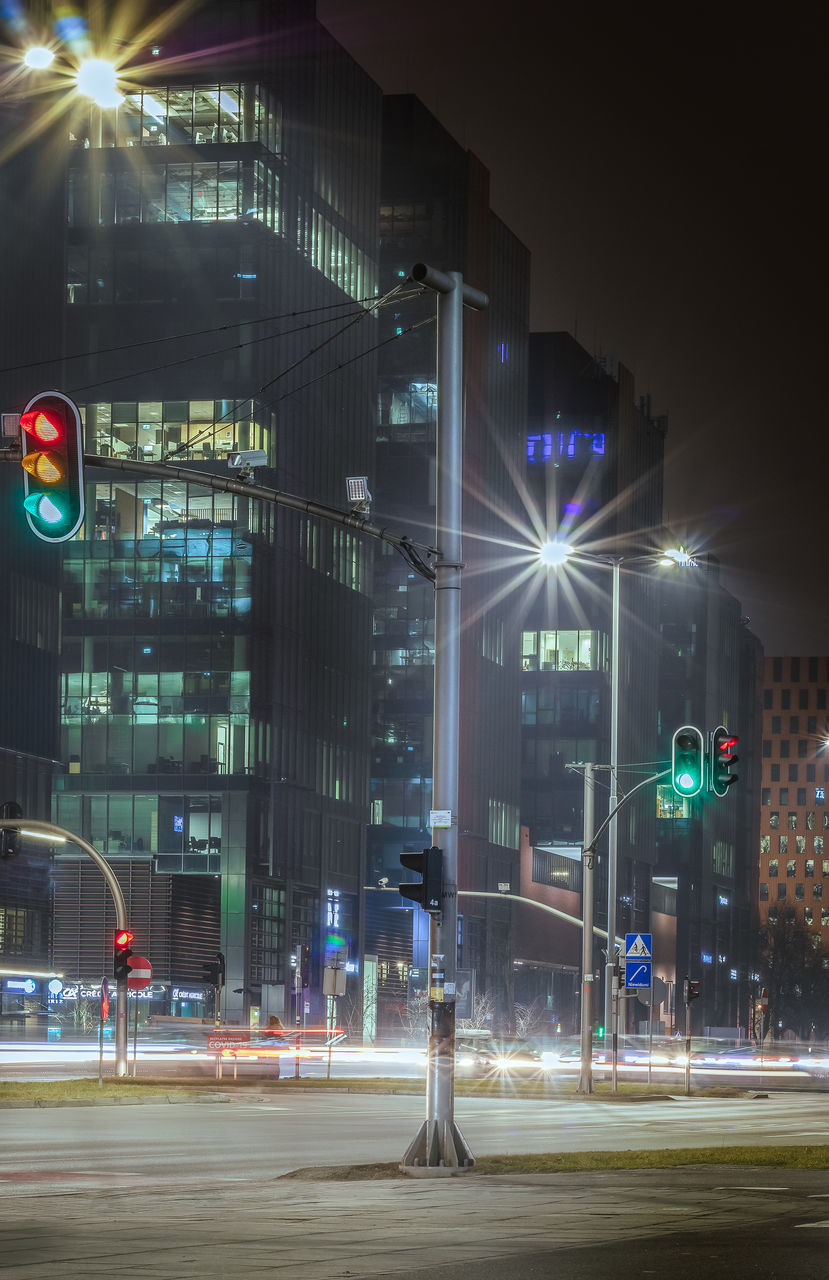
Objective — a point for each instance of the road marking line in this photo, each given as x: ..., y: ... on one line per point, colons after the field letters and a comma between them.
x: 733, y: 1188
x: 811, y: 1224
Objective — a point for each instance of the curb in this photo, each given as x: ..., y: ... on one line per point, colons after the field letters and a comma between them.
x: 152, y: 1100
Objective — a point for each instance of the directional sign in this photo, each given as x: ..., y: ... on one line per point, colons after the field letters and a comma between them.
x: 141, y: 973
x: 638, y: 946
x: 637, y: 973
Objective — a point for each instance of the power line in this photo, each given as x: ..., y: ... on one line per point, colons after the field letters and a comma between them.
x: 192, y: 333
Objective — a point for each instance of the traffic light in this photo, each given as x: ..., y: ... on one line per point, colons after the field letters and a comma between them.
x: 305, y: 964
x: 213, y: 971
x: 429, y: 865
x: 52, y: 440
x: 8, y: 838
x: 687, y: 761
x: 690, y: 990
x: 723, y: 757
x: 123, y: 951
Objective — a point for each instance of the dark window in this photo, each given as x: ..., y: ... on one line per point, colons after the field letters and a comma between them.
x: 775, y: 724
x: 795, y: 670
x: 794, y: 724
x: 803, y: 699
x: 785, y: 699
x: 784, y: 795
x: 785, y: 746
x: 766, y: 748
x: 810, y: 868
x: 764, y: 892
x: 766, y: 795
x: 777, y: 670
x: 810, y: 773
x: 792, y: 773
x: 811, y: 724
x: 802, y: 748
x: 800, y: 892
x: 801, y: 795
x: 768, y: 699
x: 821, y: 699
x: 812, y: 670
x: 775, y: 773
x: 781, y: 889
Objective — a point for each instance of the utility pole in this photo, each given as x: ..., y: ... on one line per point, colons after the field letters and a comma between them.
x: 439, y: 1144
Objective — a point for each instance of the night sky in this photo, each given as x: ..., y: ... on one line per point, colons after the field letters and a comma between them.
x: 666, y: 168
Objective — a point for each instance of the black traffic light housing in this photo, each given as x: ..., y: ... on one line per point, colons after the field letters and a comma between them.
x: 9, y: 839
x: 122, y: 953
x: 687, y: 761
x: 690, y: 990
x: 305, y: 964
x: 429, y: 865
x: 52, y: 441
x: 722, y: 757
x: 213, y: 971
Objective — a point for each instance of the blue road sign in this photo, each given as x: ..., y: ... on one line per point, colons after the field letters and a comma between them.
x: 638, y: 946
x: 638, y: 973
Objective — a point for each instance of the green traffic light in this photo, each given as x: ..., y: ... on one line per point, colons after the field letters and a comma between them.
x: 687, y: 761
x: 44, y: 507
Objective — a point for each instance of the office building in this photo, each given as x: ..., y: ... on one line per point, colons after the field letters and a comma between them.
x: 204, y: 269
x: 593, y: 466
x: 435, y: 209
x: 794, y: 818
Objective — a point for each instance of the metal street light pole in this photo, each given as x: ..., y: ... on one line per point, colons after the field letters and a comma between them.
x: 38, y: 828
x: 439, y: 1145
x: 613, y: 833
x: 586, y: 1063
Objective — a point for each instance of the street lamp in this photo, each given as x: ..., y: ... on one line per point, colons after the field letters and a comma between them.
x: 554, y: 554
x: 38, y: 58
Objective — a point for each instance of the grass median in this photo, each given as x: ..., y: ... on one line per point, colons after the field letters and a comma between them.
x: 778, y: 1157
x: 87, y: 1089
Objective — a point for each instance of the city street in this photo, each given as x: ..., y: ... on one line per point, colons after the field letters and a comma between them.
x: 196, y: 1190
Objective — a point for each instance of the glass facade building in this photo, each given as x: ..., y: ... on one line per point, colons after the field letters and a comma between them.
x: 435, y: 208
x: 217, y: 242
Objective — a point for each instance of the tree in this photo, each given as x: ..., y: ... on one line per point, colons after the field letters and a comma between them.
x: 793, y: 967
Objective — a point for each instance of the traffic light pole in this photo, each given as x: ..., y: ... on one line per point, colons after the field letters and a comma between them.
x: 439, y: 1147
x: 60, y: 833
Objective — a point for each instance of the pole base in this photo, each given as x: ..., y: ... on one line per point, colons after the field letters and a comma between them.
x: 438, y: 1150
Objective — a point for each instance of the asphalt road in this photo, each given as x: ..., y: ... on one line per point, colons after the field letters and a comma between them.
x: 195, y: 1190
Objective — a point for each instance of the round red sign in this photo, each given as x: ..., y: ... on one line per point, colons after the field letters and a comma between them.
x: 141, y: 973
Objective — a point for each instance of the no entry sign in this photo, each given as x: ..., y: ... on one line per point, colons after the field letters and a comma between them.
x: 141, y: 973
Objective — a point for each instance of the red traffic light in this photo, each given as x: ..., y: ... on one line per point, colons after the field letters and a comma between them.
x: 122, y: 953
x: 45, y: 425
x: 722, y: 758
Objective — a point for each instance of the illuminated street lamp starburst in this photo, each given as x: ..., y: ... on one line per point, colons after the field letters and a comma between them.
x: 97, y: 80
x: 38, y: 58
